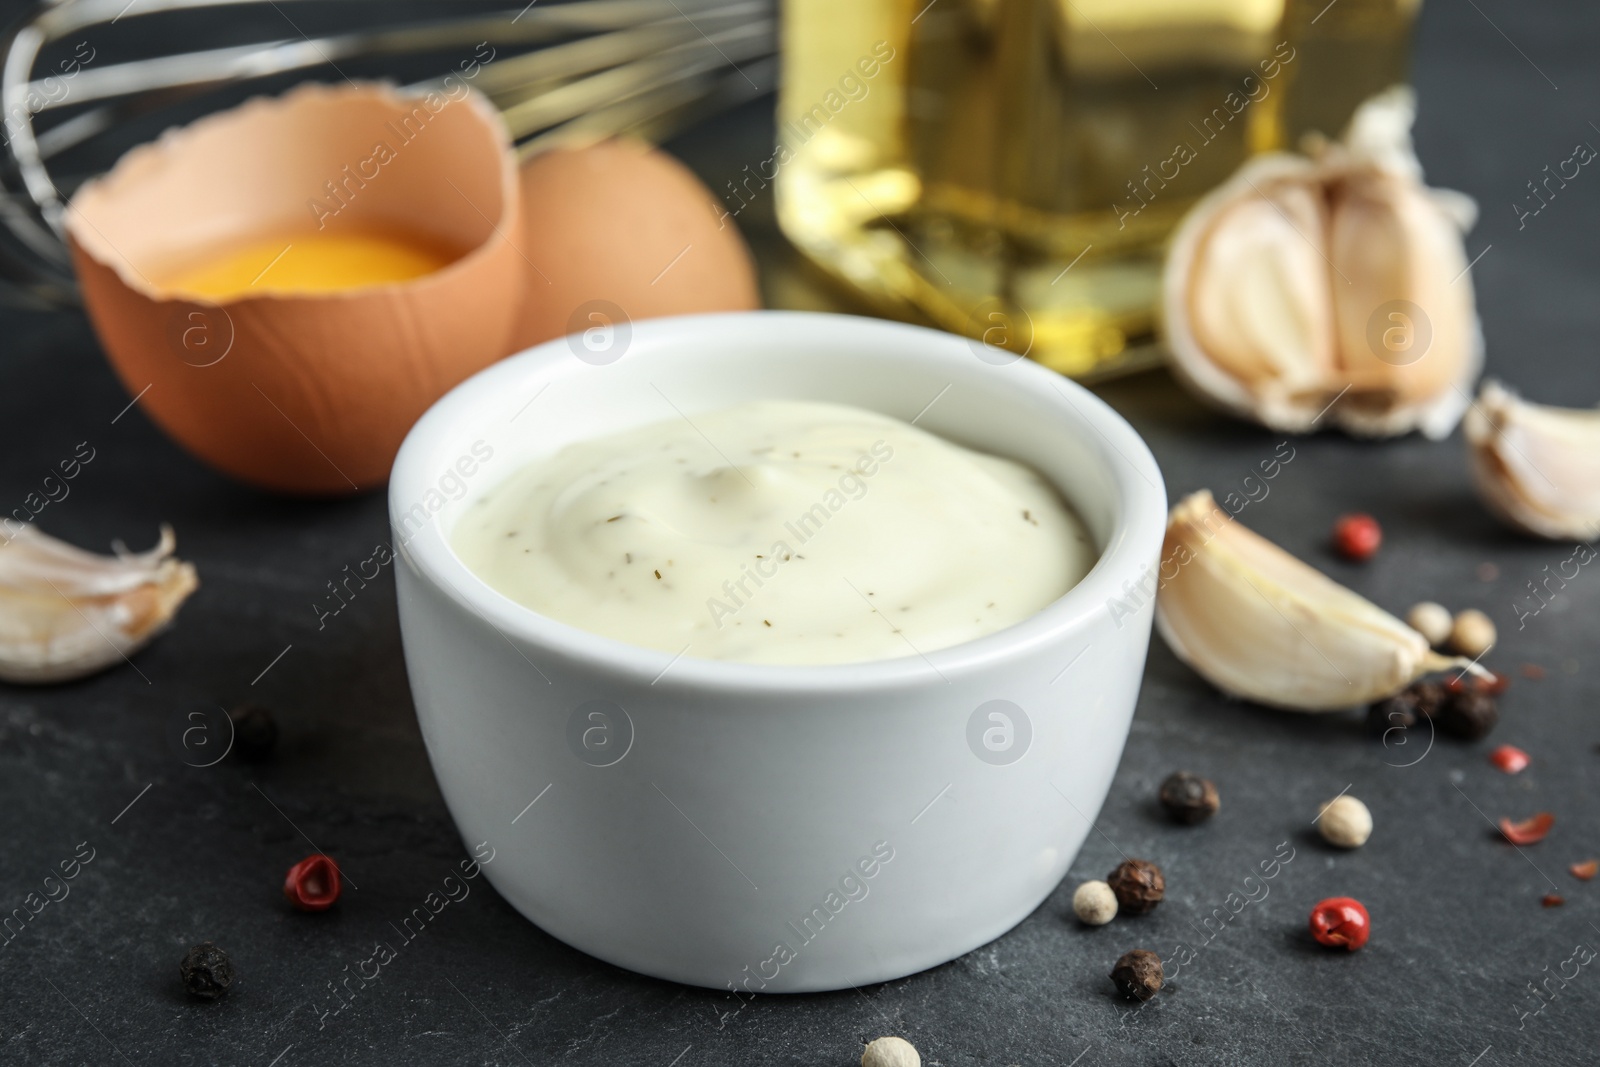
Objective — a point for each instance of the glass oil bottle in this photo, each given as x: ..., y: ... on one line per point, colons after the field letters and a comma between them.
x: 1011, y: 169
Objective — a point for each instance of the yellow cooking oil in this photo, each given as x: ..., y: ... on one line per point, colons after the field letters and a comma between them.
x: 1012, y: 169
x: 302, y: 264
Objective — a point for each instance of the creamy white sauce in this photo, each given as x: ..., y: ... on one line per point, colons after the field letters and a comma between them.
x: 777, y: 532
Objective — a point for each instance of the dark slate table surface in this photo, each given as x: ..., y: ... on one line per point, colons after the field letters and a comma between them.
x: 1460, y: 933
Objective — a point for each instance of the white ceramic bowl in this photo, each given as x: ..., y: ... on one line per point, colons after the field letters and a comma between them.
x: 772, y: 828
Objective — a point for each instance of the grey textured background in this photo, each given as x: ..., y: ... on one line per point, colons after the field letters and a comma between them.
x: 1459, y: 930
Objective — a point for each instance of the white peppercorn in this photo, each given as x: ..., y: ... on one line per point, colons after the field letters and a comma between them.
x: 1345, y: 822
x: 1473, y: 633
x: 1094, y: 903
x: 890, y: 1052
x: 1432, y: 621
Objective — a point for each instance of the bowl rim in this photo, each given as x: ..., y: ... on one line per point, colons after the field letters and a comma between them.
x: 1132, y: 545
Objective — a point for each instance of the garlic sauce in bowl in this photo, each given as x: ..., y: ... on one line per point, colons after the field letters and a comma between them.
x: 805, y: 812
x: 777, y: 531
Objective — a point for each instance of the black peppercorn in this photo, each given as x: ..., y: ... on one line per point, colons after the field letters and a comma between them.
x: 206, y: 970
x: 255, y: 732
x: 1189, y: 798
x: 1398, y: 712
x: 1469, y: 715
x: 1138, y: 885
x: 1417, y: 701
x: 1138, y: 974
x: 1426, y: 698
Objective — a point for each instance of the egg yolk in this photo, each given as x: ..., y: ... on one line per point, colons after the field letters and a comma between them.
x: 299, y: 264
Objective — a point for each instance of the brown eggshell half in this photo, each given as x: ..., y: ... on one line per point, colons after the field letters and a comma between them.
x: 622, y: 223
x: 305, y: 394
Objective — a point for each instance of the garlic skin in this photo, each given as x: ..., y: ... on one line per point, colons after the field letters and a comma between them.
x: 1536, y: 467
x: 1258, y: 623
x: 66, y: 613
x: 1278, y: 286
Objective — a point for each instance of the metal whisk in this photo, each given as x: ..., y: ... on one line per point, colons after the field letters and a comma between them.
x: 561, y: 72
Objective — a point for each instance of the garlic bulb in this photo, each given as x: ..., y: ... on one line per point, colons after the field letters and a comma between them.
x: 1536, y: 467
x: 66, y: 613
x: 1337, y: 283
x: 1258, y: 623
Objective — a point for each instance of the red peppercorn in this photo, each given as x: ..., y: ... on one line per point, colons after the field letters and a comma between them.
x: 1340, y: 922
x: 1552, y: 900
x: 313, y: 883
x: 1357, y: 537
x: 1528, y: 831
x: 1494, y: 685
x: 1509, y: 758
x: 1585, y: 870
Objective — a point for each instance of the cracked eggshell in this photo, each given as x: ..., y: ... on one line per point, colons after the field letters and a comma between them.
x: 622, y: 224
x: 307, y: 394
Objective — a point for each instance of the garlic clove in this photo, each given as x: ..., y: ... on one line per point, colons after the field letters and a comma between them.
x: 1536, y: 467
x: 1407, y: 330
x: 1258, y: 623
x: 1282, y: 287
x: 1245, y: 310
x: 66, y: 613
x: 1257, y: 303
